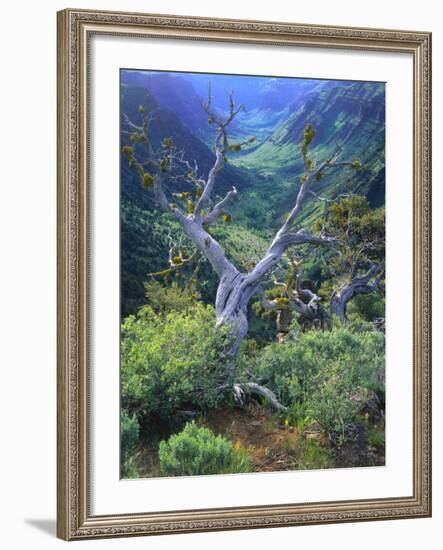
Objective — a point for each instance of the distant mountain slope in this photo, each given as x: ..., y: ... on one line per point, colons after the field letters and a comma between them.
x: 358, y: 108
x: 175, y: 94
x: 267, y: 101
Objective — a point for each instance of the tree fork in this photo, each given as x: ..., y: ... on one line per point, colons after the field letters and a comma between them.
x: 235, y: 290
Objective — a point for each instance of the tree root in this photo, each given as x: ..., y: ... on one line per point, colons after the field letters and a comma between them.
x: 270, y: 396
x: 254, y: 388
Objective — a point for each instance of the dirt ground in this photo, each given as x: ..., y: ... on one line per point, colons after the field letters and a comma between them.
x: 272, y: 445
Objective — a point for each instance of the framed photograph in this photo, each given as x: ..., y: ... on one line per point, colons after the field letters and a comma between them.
x: 243, y: 274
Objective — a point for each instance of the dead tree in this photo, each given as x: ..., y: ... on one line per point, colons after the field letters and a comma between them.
x: 196, y: 212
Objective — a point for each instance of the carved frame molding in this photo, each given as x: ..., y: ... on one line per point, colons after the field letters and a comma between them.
x: 75, y: 28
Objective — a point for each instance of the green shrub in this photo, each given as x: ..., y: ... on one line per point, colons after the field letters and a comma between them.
x: 313, y: 456
x: 163, y: 298
x: 297, y: 415
x: 129, y: 470
x: 197, y: 451
x: 172, y: 360
x: 356, y: 323
x: 129, y: 440
x: 317, y: 373
x: 369, y: 306
x: 376, y: 437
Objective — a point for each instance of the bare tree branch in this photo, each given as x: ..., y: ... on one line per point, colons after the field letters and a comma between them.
x: 265, y: 303
x: 218, y: 165
x: 303, y: 301
x: 279, y: 245
x: 220, y: 207
x: 221, y: 142
x: 357, y: 285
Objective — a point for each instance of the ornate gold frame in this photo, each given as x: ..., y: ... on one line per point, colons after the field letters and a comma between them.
x: 75, y: 28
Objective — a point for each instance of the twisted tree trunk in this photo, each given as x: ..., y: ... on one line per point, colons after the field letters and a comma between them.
x: 231, y: 307
x: 369, y: 282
